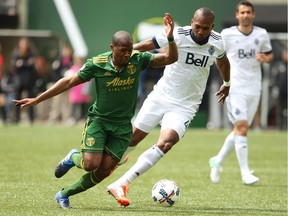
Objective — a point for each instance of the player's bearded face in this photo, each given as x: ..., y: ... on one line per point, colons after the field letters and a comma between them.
x: 201, y: 29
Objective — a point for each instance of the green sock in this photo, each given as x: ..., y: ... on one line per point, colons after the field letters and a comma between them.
x: 77, y: 159
x: 85, y: 182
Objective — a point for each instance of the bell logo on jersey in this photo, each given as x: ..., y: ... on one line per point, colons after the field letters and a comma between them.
x: 250, y: 54
x: 199, y: 62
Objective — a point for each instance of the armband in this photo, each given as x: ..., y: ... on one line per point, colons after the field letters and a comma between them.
x: 226, y: 84
x: 171, y: 40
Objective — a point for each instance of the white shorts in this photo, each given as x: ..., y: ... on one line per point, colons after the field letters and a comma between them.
x: 242, y: 107
x: 168, y: 115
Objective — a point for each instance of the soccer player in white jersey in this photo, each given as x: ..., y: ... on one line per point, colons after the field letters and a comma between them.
x: 247, y: 46
x: 176, y: 97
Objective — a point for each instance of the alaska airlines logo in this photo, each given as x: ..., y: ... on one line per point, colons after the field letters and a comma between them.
x: 248, y: 54
x: 199, y: 62
x: 118, y: 82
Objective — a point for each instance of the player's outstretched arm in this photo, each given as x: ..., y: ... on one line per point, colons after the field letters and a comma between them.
x: 171, y: 54
x: 59, y: 87
x: 148, y: 45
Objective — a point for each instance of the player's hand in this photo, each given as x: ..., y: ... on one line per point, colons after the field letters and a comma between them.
x: 169, y: 25
x: 222, y: 93
x: 261, y: 57
x: 25, y: 102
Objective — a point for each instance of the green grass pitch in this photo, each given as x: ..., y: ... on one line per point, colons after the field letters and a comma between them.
x: 29, y: 155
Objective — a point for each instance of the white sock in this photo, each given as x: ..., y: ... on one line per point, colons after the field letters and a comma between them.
x: 128, y: 150
x: 145, y: 161
x: 241, y: 149
x: 226, y: 149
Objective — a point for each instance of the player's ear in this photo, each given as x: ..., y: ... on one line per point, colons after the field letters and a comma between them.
x: 213, y: 25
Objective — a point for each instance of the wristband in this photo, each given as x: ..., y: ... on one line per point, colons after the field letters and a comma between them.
x: 171, y: 40
x: 226, y: 84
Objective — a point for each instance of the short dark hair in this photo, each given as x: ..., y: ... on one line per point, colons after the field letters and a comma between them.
x: 246, y: 3
x: 205, y: 12
x: 121, y: 37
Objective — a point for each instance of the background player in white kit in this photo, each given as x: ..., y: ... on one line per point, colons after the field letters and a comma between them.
x: 176, y: 97
x: 247, y: 46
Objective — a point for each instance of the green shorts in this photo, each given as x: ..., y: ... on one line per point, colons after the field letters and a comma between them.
x: 99, y: 136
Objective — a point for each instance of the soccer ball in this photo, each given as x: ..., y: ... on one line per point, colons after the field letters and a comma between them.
x: 165, y: 192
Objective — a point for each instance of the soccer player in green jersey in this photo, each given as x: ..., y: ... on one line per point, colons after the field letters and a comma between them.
x: 108, y: 128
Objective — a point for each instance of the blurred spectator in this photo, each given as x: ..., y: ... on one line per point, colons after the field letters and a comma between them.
x: 23, y: 66
x: 279, y: 82
x: 2, y: 95
x: 9, y: 85
x: 79, y: 96
x: 42, y: 110
x: 60, y: 105
x: 1, y: 62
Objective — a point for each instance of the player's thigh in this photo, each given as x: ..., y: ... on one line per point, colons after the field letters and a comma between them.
x: 178, y: 121
x: 242, y: 107
x: 118, y: 139
x: 149, y: 115
x: 252, y: 108
x: 93, y: 136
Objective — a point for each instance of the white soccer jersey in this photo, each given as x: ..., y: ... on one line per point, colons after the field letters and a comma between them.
x: 241, y: 51
x: 184, y: 81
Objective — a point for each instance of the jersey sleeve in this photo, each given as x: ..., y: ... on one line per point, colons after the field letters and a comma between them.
x: 160, y: 40
x: 86, y: 73
x: 266, y: 46
x: 146, y: 59
x: 219, y: 44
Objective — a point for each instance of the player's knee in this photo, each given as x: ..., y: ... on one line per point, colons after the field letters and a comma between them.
x: 90, y: 165
x: 241, y: 128
x: 165, y: 146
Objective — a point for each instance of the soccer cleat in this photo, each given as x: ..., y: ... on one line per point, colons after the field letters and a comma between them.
x: 119, y: 193
x: 62, y: 200
x: 65, y: 164
x: 249, y: 179
x: 216, y: 170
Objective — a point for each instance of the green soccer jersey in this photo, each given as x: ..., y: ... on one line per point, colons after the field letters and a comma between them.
x: 116, y: 91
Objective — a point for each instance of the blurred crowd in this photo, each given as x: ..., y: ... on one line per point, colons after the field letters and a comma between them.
x: 29, y: 76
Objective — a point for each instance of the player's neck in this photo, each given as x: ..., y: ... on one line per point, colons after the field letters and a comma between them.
x: 245, y: 29
x: 114, y: 64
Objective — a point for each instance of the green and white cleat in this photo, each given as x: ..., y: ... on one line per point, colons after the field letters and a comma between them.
x: 216, y: 170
